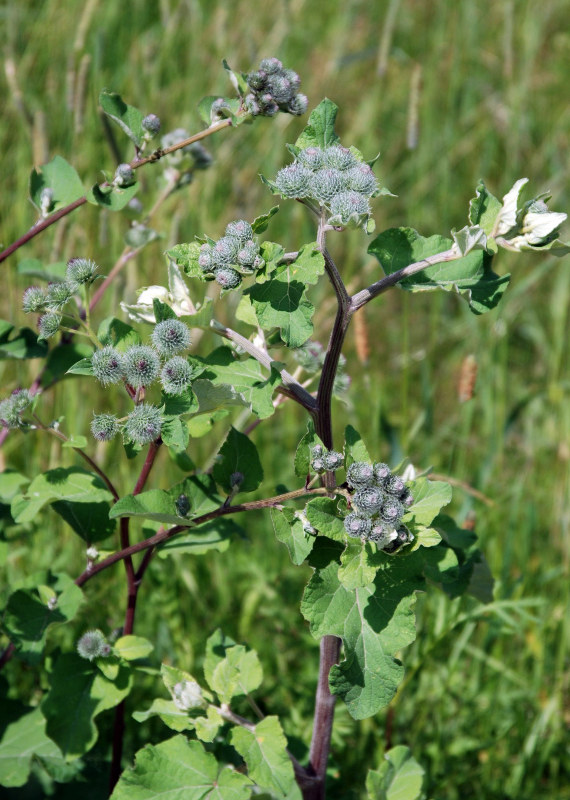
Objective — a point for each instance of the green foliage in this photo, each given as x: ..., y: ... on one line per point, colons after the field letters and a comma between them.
x: 59, y: 178
x: 400, y: 778
x: 263, y: 750
x: 238, y: 457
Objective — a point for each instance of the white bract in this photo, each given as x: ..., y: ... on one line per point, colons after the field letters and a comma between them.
x: 176, y: 296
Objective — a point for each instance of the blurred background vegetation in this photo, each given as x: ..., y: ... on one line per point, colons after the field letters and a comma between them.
x: 448, y: 92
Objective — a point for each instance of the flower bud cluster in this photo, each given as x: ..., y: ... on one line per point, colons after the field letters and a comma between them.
x: 274, y: 88
x: 323, y: 460
x: 379, y: 499
x: 11, y: 408
x: 229, y: 258
x: 335, y: 178
x: 139, y: 366
x: 51, y: 300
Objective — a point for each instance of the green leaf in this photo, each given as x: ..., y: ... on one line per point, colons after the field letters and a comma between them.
x: 470, y: 237
x: 238, y: 454
x: 238, y: 673
x: 472, y: 575
x: 355, y: 449
x: 244, y: 375
x: 374, y: 622
x: 217, y: 646
x: 212, y: 398
x: 132, y: 647
x: 186, y: 257
x: 59, y: 176
x: 115, y: 332
x: 31, y: 612
x: 34, y: 268
x: 112, y: 198
x: 214, y: 535
x: 63, y: 358
x: 81, y: 367
x: 172, y: 716
x: 319, y: 131
x: 20, y: 343
x: 174, y: 433
x: 180, y: 770
x: 399, y: 778
x: 10, y: 484
x: 484, y: 209
x: 205, y: 109
x: 79, y: 497
x: 281, y: 301
x: 162, y: 311
x: 259, y: 224
x: 303, y: 452
x: 23, y: 741
x: 160, y: 505
x: 127, y: 117
x: 207, y: 727
x: 324, y: 514
x: 358, y: 565
x: 289, y: 529
x: 79, y: 692
x: 429, y: 499
x: 471, y: 276
x: 264, y: 751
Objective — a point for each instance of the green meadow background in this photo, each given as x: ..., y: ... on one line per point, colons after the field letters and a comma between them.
x: 448, y: 92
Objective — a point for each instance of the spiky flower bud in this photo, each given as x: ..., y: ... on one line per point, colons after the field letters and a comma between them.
x: 81, y: 270
x: 382, y: 533
x: 395, y: 485
x: 200, y: 155
x: 344, y: 204
x: 220, y: 109
x: 225, y: 251
x: 21, y: 399
x: 240, y: 229
x: 252, y: 105
x: 281, y: 89
x: 333, y: 460
x: 407, y: 499
x: 369, y: 500
x: 205, y: 258
x: 361, y: 179
x: 141, y: 365
x: 318, y: 465
x: 34, y: 299
x: 294, y: 181
x: 93, y: 645
x: 292, y: 77
x: 267, y: 105
x: 248, y: 253
x: 381, y: 473
x: 12, y: 407
x: 107, y: 365
x: 124, y: 175
x: 360, y: 474
x: 104, y: 427
x: 270, y: 66
x: 337, y: 157
x: 144, y: 424
x: 176, y: 375
x: 311, y: 157
x: 171, y: 336
x: 187, y: 695
x: 59, y: 294
x: 228, y: 278
x: 182, y: 504
x: 298, y: 105
x: 49, y: 325
x: 257, y: 80
x: 236, y: 479
x: 356, y: 525
x: 151, y: 124
x: 392, y: 511
x: 326, y: 183
x: 317, y: 451
x: 402, y: 537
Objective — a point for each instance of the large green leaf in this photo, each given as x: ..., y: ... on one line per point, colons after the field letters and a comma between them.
x: 281, y: 302
x: 79, y: 497
x: 289, y: 529
x: 374, y: 622
x: 238, y: 456
x: 214, y: 535
x: 180, y: 770
x: 319, y: 131
x: 470, y: 276
x: 24, y: 740
x: 400, y: 777
x: 59, y: 176
x: 429, y: 499
x: 324, y: 514
x: 161, y: 506
x: 244, y: 375
x: 31, y: 612
x: 112, y: 198
x: 303, y: 452
x: 238, y: 673
x: 79, y: 692
x: 119, y: 334
x: 484, y: 209
x: 127, y: 117
x: 20, y: 342
x: 264, y: 751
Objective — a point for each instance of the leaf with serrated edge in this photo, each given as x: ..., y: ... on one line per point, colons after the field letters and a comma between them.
x: 24, y: 740
x: 239, y: 673
x: 323, y: 514
x: 180, y: 770
x: 357, y: 565
x: 374, y: 622
x: 319, y: 131
x: 292, y: 534
x: 400, y: 777
x: 264, y: 752
x: 355, y: 449
x: 429, y: 499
